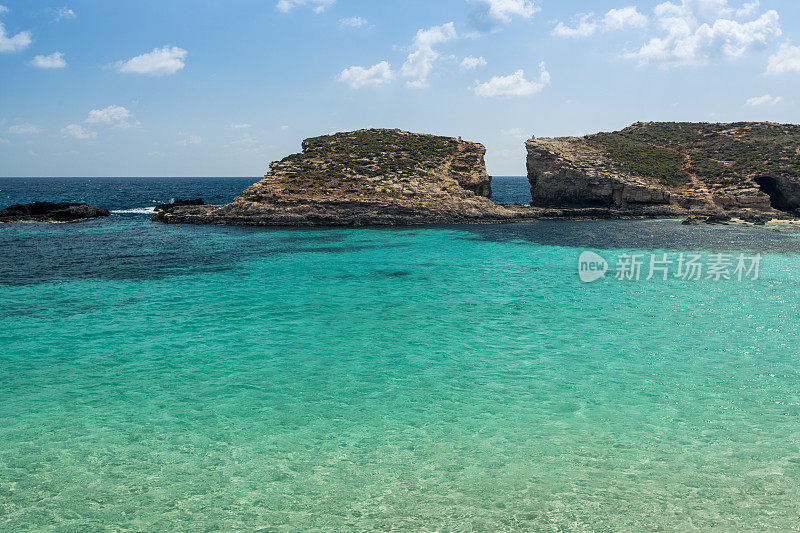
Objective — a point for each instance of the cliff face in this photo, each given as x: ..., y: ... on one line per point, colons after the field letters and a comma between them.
x: 658, y: 169
x: 366, y: 177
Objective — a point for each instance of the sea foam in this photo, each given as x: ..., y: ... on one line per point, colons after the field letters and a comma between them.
x: 136, y: 211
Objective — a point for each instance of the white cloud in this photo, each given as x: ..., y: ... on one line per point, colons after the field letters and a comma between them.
x: 320, y: 6
x: 15, y: 43
x: 375, y: 76
x: 689, y: 32
x: 472, y: 62
x: 65, y: 13
x: 353, y: 22
x: 627, y: 17
x: 4, y: 141
x: 246, y: 145
x: 694, y: 33
x: 112, y: 115
x: 514, y: 84
x: 239, y: 126
x: 76, y: 131
x: 23, y: 129
x: 514, y: 132
x: 615, y: 20
x: 191, y: 139
x: 54, y: 60
x: 786, y: 60
x: 748, y: 10
x: 284, y: 127
x: 764, y: 100
x: 160, y: 62
x: 419, y: 63
x: 246, y: 140
x: 503, y: 11
x: 586, y: 27
x: 710, y: 8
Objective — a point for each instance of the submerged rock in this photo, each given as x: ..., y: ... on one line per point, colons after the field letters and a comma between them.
x: 365, y: 177
x: 718, y: 219
x: 51, y: 212
x: 670, y: 169
x: 759, y: 219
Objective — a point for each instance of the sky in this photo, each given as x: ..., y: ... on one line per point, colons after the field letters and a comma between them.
x: 223, y: 87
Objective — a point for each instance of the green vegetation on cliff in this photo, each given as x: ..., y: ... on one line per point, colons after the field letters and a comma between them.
x: 368, y: 143
x: 376, y: 153
x: 720, y: 155
x: 643, y: 159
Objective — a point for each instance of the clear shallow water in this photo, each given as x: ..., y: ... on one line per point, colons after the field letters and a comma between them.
x: 459, y: 378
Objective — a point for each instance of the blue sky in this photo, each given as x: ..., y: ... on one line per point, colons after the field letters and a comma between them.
x: 223, y: 87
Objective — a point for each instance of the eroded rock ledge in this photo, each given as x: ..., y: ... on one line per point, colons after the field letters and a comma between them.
x: 366, y: 177
x: 669, y: 169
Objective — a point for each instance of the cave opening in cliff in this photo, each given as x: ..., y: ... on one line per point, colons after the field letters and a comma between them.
x: 771, y: 187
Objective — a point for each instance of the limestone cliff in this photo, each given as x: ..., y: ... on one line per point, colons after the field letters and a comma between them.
x: 366, y: 177
x: 661, y: 169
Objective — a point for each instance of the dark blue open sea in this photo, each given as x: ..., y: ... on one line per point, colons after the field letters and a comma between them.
x: 457, y: 378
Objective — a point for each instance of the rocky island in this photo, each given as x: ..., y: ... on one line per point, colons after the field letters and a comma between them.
x: 747, y: 170
x: 51, y: 212
x: 365, y: 177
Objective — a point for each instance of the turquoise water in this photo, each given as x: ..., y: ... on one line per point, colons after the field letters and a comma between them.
x: 434, y: 379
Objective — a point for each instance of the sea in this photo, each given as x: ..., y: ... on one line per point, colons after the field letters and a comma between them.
x: 539, y: 376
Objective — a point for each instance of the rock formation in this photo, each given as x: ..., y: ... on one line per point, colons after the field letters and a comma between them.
x: 178, y: 203
x: 51, y: 212
x: 366, y: 177
x: 669, y: 169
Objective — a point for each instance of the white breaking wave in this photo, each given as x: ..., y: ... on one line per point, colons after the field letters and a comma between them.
x: 136, y: 211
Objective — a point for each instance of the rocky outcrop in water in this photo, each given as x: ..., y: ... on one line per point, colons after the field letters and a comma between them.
x: 179, y: 203
x: 366, y: 177
x: 669, y: 169
x: 51, y: 212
